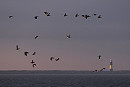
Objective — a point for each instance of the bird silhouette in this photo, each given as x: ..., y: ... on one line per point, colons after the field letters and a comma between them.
x: 34, y: 65
x: 95, y: 71
x: 36, y: 17
x: 65, y: 15
x: 57, y: 59
x: 45, y: 13
x: 32, y: 62
x: 68, y: 36
x: 17, y: 47
x: 36, y: 37
x: 99, y: 56
x: 99, y: 16
x: 86, y: 16
x: 94, y: 14
x: 34, y: 53
x: 26, y: 53
x: 10, y: 16
x: 76, y: 15
x: 51, y: 58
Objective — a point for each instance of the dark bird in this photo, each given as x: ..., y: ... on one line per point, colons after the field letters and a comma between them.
x: 86, y: 16
x: 95, y: 71
x: 99, y: 16
x: 57, y: 59
x: 65, y: 15
x: 32, y: 62
x: 36, y: 17
x: 26, y: 53
x: 45, y: 13
x: 94, y: 14
x: 36, y: 37
x: 68, y: 36
x: 17, y: 47
x: 76, y: 15
x: 10, y: 16
x: 34, y: 65
x: 48, y: 14
x: 51, y: 58
x: 34, y: 53
x: 99, y: 56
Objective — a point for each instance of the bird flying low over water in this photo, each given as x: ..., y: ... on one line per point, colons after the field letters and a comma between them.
x: 99, y: 56
x: 34, y: 65
x: 32, y: 62
x: 51, y: 58
x: 77, y: 15
x: 47, y: 14
x: 99, y: 16
x: 34, y: 53
x: 68, y: 36
x: 95, y: 71
x: 10, y: 16
x: 86, y: 16
x: 36, y: 37
x: 57, y: 59
x: 36, y: 17
x: 94, y: 14
x: 26, y: 53
x: 17, y: 47
x: 65, y: 15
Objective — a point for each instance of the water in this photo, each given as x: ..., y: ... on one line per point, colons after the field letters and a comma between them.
x: 42, y: 80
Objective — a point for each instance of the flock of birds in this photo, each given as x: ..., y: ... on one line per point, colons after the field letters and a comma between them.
x: 67, y: 36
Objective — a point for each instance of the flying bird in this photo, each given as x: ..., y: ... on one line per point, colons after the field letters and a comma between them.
x: 95, y: 71
x: 99, y: 56
x: 86, y: 16
x: 17, y: 47
x: 47, y: 14
x: 65, y: 15
x: 99, y: 16
x: 68, y: 36
x: 10, y: 16
x: 36, y: 17
x: 94, y: 14
x: 36, y: 37
x: 32, y: 62
x: 57, y: 59
x: 26, y: 53
x: 34, y: 53
x: 76, y: 15
x: 51, y: 58
x: 34, y: 65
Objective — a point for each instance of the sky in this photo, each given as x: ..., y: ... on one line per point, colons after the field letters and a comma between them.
x: 108, y: 36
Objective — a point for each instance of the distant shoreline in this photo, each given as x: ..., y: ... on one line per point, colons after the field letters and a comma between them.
x: 74, y: 72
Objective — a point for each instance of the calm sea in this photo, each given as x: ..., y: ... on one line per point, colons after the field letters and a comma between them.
x: 44, y: 80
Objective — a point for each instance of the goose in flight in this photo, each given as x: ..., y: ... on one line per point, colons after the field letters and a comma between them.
x: 10, y: 16
x: 36, y: 17
x: 34, y: 53
x: 99, y: 56
x: 57, y: 59
x: 68, y: 36
x: 51, y: 58
x: 76, y: 15
x: 94, y: 14
x: 34, y: 65
x: 26, y: 53
x: 65, y: 15
x: 47, y: 14
x: 32, y: 62
x: 99, y: 16
x: 36, y: 37
x: 17, y: 47
x: 86, y: 16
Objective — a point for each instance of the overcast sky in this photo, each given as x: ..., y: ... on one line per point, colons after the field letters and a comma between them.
x: 108, y: 36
